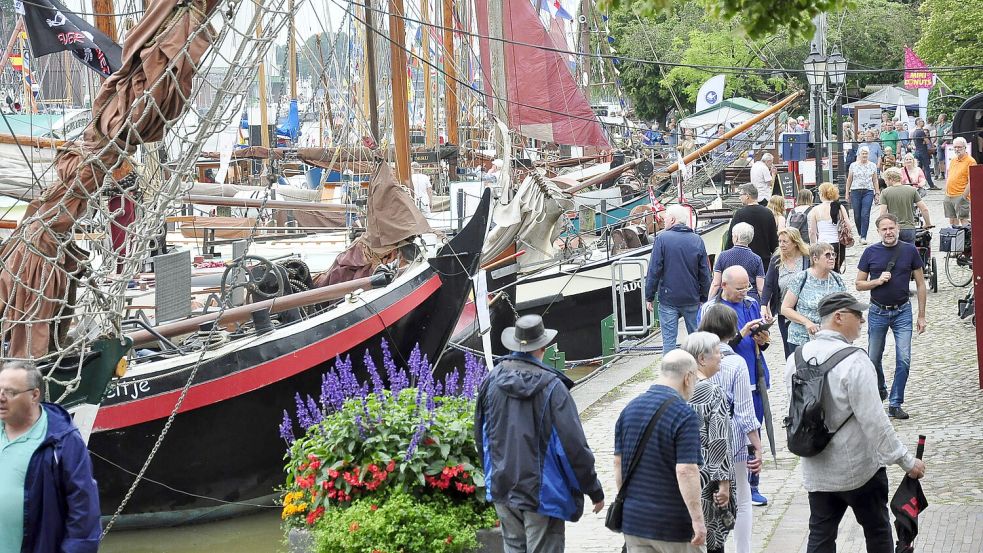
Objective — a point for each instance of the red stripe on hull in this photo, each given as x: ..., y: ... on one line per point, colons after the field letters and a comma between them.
x: 253, y: 378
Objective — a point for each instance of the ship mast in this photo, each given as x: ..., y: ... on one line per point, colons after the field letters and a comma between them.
x: 401, y: 121
x: 431, y: 139
x: 264, y: 133
x: 450, y: 70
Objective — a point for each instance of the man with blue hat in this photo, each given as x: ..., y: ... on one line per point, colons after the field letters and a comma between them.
x: 538, y: 466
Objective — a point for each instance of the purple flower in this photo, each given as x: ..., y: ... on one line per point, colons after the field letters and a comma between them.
x: 377, y: 386
x: 396, y: 376
x: 451, y: 383
x: 315, y: 413
x: 287, y: 428
x: 415, y: 441
x: 332, y: 395
x: 303, y: 416
x: 474, y: 373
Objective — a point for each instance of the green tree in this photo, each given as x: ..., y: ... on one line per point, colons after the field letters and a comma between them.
x: 758, y: 18
x: 951, y: 37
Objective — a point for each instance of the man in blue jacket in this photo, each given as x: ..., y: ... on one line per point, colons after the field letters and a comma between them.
x: 50, y: 503
x: 537, y: 464
x: 680, y: 271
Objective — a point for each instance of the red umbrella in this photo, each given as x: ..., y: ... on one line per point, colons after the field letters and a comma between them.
x: 906, y: 505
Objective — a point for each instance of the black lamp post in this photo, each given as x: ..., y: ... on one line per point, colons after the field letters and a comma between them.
x: 836, y: 64
x: 815, y: 68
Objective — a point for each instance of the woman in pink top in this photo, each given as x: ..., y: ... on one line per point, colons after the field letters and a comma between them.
x: 913, y: 175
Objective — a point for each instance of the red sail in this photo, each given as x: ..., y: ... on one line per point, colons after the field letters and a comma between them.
x: 544, y: 101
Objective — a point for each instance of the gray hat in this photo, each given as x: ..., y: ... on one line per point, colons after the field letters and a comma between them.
x: 528, y: 334
x: 840, y: 300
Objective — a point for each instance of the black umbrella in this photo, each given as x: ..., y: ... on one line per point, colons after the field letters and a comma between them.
x: 765, y: 402
x: 906, y: 504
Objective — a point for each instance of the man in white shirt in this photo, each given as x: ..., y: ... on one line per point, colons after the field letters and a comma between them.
x: 422, y: 190
x: 763, y: 177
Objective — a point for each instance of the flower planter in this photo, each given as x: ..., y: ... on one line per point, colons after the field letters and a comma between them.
x: 300, y: 540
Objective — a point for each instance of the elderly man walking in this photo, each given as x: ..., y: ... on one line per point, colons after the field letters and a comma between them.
x: 901, y: 200
x: 662, y: 510
x: 763, y: 177
x: 537, y: 464
x: 752, y: 339
x: 956, y: 201
x: 680, y: 272
x: 849, y: 471
x: 765, y: 240
x: 885, y: 270
x: 50, y: 503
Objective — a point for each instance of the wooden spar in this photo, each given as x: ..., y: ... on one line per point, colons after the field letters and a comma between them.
x: 37, y: 142
x: 708, y: 147
x: 373, y: 103
x: 428, y: 124
x: 400, y: 94
x: 257, y: 203
x: 105, y: 18
x: 450, y: 73
x: 18, y: 27
x: 292, y: 49
x: 242, y: 313
x: 261, y: 78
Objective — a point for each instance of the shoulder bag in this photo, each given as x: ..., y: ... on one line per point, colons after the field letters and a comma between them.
x: 843, y: 232
x: 616, y: 510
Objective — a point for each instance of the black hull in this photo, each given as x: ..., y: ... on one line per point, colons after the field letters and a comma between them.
x: 223, y: 454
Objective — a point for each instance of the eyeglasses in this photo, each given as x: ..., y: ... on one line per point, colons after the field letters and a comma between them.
x: 830, y: 255
x: 9, y: 393
x: 959, y: 148
x: 856, y: 314
x: 744, y: 289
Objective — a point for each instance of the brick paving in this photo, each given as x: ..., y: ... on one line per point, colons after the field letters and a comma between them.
x: 944, y: 401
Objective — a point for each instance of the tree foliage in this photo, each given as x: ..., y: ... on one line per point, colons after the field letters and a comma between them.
x: 951, y: 37
x: 758, y: 18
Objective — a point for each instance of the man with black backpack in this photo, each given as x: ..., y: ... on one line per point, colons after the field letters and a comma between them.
x: 836, y: 424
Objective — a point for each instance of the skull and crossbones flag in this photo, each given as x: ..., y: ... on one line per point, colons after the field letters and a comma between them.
x: 51, y: 28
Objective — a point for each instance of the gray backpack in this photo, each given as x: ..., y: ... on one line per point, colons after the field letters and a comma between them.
x: 805, y: 425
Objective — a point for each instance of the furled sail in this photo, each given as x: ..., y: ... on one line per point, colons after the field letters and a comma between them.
x: 544, y: 101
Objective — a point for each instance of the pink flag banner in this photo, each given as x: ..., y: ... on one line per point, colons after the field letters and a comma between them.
x: 916, y: 73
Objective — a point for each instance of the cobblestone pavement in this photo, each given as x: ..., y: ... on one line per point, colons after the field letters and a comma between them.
x: 943, y: 399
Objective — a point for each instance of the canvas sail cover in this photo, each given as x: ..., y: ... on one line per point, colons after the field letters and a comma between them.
x: 529, y: 221
x: 544, y: 101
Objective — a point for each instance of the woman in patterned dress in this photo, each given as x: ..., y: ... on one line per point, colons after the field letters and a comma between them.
x: 801, y: 303
x: 717, y: 472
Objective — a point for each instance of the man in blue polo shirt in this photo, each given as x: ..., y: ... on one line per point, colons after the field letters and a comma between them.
x: 885, y: 269
x: 662, y: 510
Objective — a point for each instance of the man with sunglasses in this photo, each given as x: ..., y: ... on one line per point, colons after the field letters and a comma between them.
x: 50, y: 502
x: 885, y: 270
x: 849, y: 471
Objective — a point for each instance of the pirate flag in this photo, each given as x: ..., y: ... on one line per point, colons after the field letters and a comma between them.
x: 906, y: 504
x: 51, y: 28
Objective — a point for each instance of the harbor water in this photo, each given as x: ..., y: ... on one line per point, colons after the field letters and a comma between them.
x: 258, y: 533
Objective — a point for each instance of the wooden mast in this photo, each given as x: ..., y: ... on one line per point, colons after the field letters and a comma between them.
x: 431, y: 138
x: 105, y: 18
x: 264, y: 133
x: 327, y: 94
x: 401, y: 116
x: 292, y: 49
x: 373, y: 103
x: 450, y: 71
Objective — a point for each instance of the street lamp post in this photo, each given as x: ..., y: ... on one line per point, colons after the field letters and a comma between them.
x: 815, y: 69
x: 837, y: 65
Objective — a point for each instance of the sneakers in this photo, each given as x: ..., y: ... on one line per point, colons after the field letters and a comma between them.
x: 863, y: 241
x: 757, y: 499
x: 893, y: 412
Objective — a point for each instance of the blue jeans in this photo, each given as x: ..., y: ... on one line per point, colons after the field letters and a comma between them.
x: 861, y: 202
x: 669, y: 323
x: 900, y: 322
x: 924, y: 161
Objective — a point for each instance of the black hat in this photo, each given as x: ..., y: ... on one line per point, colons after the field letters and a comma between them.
x: 528, y: 334
x: 840, y: 300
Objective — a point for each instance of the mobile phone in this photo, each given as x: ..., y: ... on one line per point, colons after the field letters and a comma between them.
x: 762, y: 327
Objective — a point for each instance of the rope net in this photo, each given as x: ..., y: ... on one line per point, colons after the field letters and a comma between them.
x: 66, y: 267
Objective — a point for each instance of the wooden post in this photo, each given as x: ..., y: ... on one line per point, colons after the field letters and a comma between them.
x: 431, y: 138
x: 292, y: 50
x: 401, y: 123
x: 450, y: 70
x: 261, y: 78
x: 327, y: 95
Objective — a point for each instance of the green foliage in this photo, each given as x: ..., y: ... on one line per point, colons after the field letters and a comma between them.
x: 380, y: 442
x: 758, y: 18
x: 951, y: 37
x: 403, y: 523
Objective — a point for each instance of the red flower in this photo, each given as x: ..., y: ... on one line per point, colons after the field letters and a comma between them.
x: 314, y: 515
x: 374, y: 507
x: 373, y: 468
x: 332, y: 473
x: 353, y: 526
x: 449, y: 539
x: 428, y: 441
x: 315, y: 464
x: 391, y: 466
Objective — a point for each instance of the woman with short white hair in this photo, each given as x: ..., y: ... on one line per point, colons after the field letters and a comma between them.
x: 740, y: 254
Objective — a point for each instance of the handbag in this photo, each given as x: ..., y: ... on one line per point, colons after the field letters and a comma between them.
x: 843, y: 232
x: 616, y: 510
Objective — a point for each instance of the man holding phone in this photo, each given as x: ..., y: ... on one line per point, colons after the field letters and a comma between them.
x: 752, y: 340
